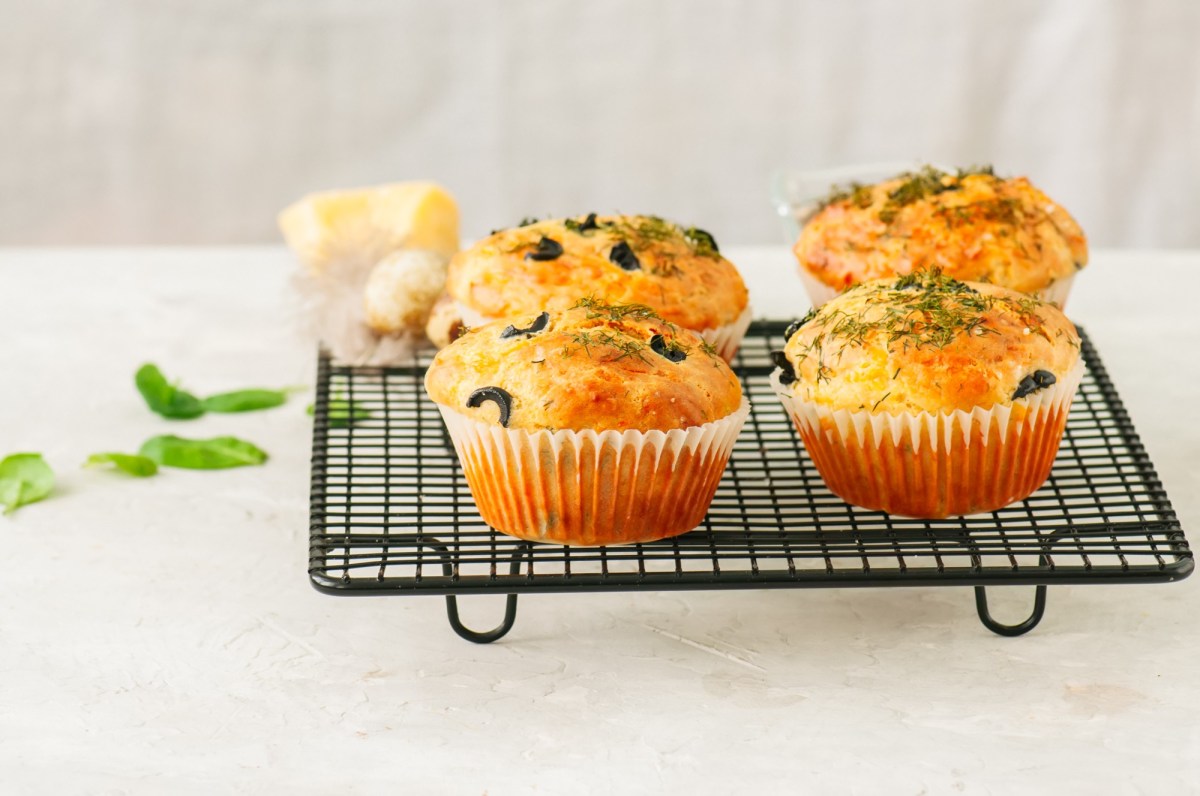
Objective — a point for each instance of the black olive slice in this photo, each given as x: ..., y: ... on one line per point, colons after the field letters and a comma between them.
x: 588, y: 224
x: 795, y: 326
x: 624, y: 257
x: 669, y: 351
x: 781, y: 361
x: 499, y: 396
x: 547, y: 249
x: 539, y: 323
x: 1038, y: 380
x: 700, y: 239
x: 524, y: 222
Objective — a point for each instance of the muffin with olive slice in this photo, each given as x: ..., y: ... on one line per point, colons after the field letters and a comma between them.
x: 595, y: 425
x: 930, y: 397
x: 972, y: 224
x: 621, y: 259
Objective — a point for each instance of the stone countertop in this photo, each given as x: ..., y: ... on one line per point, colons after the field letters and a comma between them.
x: 160, y: 635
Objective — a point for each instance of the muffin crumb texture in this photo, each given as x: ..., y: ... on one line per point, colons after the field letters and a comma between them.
x: 927, y: 343
x: 972, y: 224
x: 621, y: 259
x: 595, y: 366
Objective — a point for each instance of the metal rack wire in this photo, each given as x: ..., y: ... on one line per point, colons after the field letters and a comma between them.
x: 391, y: 512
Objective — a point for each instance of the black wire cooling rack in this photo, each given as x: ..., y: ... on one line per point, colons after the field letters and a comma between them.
x: 391, y: 512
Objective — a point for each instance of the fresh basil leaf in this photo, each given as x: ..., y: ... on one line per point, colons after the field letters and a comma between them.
x: 24, y: 478
x: 202, y: 454
x: 342, y: 413
x: 165, y: 398
x: 244, y: 400
x: 131, y: 463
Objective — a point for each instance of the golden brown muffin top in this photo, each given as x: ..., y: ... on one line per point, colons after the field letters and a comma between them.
x: 677, y: 271
x: 595, y: 366
x: 927, y: 343
x: 973, y: 225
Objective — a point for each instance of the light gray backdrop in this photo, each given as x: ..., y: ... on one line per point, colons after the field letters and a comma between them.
x: 169, y: 121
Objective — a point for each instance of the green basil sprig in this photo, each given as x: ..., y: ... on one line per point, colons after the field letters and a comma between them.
x: 165, y: 398
x: 217, y: 453
x: 170, y: 401
x: 343, y: 412
x: 24, y: 478
x: 131, y: 463
x: 245, y: 400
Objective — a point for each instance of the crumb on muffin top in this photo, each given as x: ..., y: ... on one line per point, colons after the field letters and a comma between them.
x: 620, y: 259
x: 972, y: 224
x: 926, y: 342
x: 594, y: 366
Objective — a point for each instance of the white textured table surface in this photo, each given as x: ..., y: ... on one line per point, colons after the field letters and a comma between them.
x: 160, y: 635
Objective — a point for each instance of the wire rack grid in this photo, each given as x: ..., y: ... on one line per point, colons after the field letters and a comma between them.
x: 391, y: 512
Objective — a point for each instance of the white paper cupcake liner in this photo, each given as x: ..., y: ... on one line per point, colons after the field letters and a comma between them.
x: 727, y: 339
x: 819, y: 292
x: 1056, y: 292
x: 934, y: 465
x: 593, y: 488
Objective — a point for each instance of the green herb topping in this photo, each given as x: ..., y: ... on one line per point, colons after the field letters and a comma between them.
x: 622, y: 342
x: 618, y: 312
x: 921, y: 309
x: 914, y: 186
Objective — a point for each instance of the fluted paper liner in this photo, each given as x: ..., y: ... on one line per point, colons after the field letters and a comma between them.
x: 819, y: 292
x: 935, y: 465
x: 726, y: 338
x: 593, y: 487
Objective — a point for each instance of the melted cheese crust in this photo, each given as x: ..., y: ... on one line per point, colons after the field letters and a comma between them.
x: 685, y: 285
x: 984, y: 229
x: 846, y: 358
x: 586, y: 370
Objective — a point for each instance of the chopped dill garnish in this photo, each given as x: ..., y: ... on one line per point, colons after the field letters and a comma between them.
x: 881, y: 400
x: 640, y: 232
x: 914, y: 186
x: 856, y: 193
x: 618, y: 312
x: 622, y: 341
x: 624, y: 345
x: 1001, y: 210
x: 985, y: 170
x: 920, y: 309
x: 666, y: 267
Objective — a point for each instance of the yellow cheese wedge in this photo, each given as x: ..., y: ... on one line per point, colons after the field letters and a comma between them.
x: 360, y: 226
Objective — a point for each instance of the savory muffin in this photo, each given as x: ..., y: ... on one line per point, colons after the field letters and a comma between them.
x: 929, y: 397
x: 549, y: 265
x: 973, y: 225
x: 600, y: 424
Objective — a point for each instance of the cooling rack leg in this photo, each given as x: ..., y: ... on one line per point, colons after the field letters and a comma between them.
x: 1039, y: 608
x: 487, y: 636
